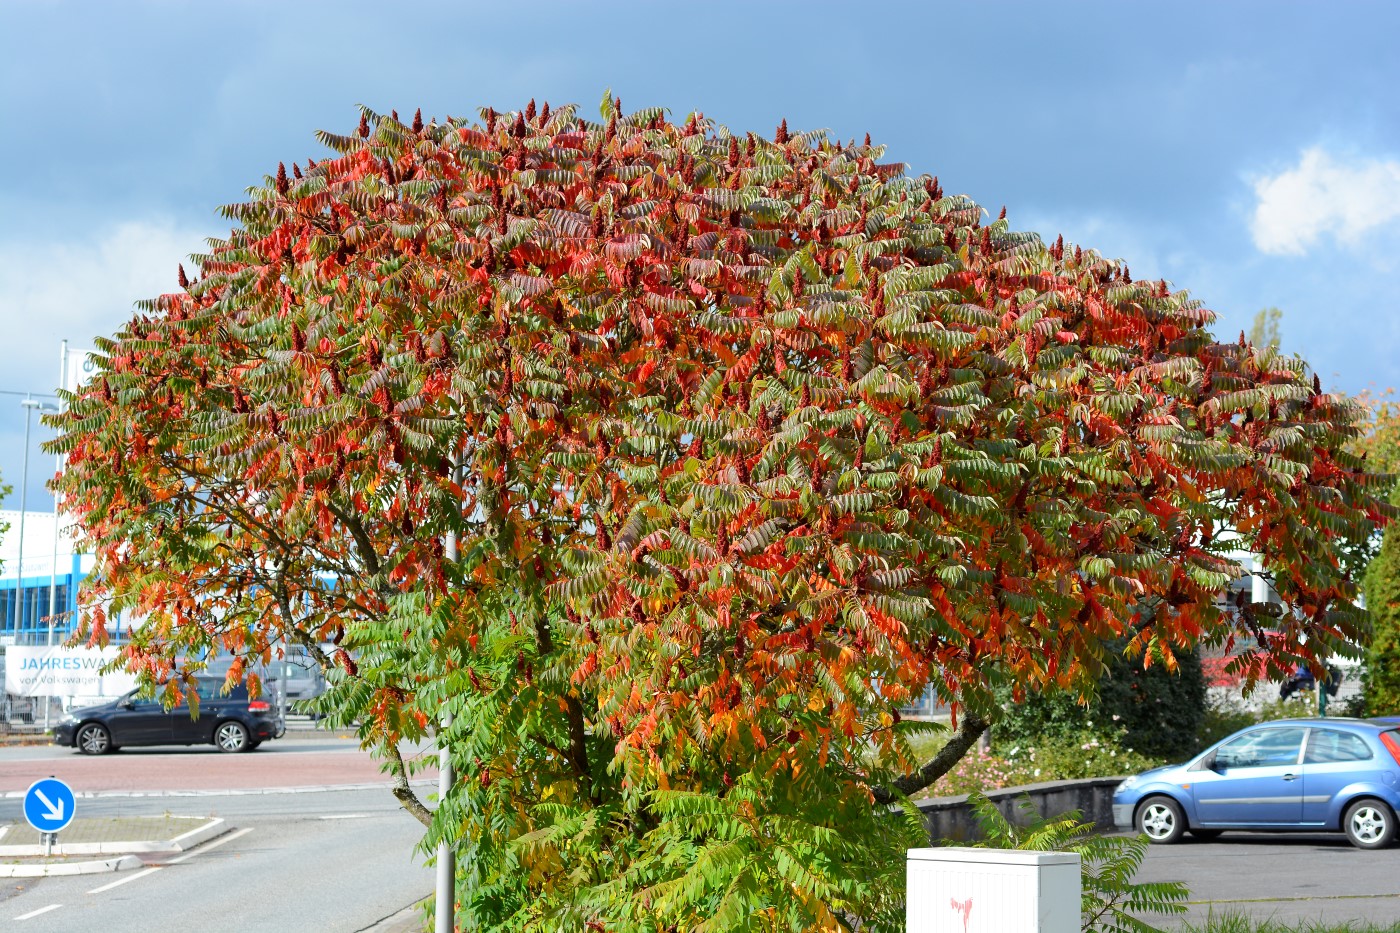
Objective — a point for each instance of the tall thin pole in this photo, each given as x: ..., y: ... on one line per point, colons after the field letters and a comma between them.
x: 446, y: 856
x: 53, y: 567
x: 23, y: 508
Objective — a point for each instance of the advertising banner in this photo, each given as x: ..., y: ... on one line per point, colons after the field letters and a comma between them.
x: 79, y: 366
x: 58, y: 671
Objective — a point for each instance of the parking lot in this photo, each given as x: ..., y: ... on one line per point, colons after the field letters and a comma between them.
x: 1286, y: 877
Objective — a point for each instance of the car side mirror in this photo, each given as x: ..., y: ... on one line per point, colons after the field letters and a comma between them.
x: 127, y: 704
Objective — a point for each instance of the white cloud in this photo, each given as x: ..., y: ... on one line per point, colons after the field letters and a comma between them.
x: 1349, y: 199
x: 77, y: 289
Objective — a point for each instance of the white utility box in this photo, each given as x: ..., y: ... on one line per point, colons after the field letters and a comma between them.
x: 962, y: 890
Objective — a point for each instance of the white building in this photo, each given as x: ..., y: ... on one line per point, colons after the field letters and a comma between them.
x: 50, y: 571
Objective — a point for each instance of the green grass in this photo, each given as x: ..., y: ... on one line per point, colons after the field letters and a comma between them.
x: 1237, y: 923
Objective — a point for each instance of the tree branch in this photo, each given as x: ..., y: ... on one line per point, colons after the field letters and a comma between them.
x: 952, y: 751
x: 573, y: 712
x: 403, y: 791
x: 362, y: 539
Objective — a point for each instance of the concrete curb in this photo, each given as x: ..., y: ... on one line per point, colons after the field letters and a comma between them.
x: 120, y: 863
x: 408, y: 920
x: 186, y: 840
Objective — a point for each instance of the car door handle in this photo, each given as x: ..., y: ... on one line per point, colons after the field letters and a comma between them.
x: 1290, y: 777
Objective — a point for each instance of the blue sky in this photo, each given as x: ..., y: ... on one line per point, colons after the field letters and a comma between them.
x: 1247, y: 151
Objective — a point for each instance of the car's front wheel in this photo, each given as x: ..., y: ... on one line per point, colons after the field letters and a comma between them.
x: 94, y: 739
x: 1369, y: 824
x: 231, y: 737
x: 1161, y: 819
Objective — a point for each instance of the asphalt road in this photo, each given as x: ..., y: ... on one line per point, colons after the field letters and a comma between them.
x: 1286, y: 877
x: 330, y: 862
x: 318, y: 842
x: 305, y: 856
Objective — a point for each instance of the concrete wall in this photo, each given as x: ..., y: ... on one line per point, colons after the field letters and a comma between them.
x: 951, y: 819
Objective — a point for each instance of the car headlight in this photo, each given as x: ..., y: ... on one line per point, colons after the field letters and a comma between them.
x: 1129, y: 784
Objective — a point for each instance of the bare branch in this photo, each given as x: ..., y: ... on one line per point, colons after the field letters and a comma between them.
x: 969, y: 730
x: 403, y: 791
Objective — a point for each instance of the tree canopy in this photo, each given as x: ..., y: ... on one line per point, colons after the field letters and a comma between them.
x: 1382, y: 677
x: 743, y: 442
x: 1266, y: 328
x: 1379, y: 441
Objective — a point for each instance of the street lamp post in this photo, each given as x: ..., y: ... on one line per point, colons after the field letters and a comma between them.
x: 30, y: 406
x: 445, y: 919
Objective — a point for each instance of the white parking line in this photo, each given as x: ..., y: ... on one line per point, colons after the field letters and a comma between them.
x: 121, y: 881
x: 212, y: 845
x: 344, y: 816
x: 188, y: 855
x: 41, y: 910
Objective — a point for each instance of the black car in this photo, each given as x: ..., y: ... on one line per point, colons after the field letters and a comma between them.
x: 228, y: 720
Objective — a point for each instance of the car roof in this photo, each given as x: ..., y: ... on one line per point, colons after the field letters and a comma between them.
x: 1334, y: 722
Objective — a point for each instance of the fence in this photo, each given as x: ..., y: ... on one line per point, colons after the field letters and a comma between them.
x: 25, y: 714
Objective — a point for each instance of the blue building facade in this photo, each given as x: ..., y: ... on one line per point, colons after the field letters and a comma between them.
x: 42, y: 603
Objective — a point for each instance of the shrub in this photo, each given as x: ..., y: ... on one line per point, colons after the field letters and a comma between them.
x: 1160, y: 712
x: 982, y: 770
x: 1092, y: 752
x: 1071, y: 756
x: 1381, y: 682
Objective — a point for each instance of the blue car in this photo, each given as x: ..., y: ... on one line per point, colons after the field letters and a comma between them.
x: 1329, y: 775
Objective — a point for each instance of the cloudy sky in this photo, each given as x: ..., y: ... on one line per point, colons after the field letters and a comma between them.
x: 1248, y: 151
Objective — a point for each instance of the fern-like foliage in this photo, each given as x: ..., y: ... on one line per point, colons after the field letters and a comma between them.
x: 1111, y: 901
x: 741, y: 441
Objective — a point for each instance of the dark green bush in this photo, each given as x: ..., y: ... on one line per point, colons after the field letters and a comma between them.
x: 1381, y: 683
x: 1159, y: 712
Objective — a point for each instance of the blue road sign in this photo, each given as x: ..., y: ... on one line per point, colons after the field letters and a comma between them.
x: 49, y: 805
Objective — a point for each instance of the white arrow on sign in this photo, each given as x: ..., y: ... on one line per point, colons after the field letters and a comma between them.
x: 55, y: 810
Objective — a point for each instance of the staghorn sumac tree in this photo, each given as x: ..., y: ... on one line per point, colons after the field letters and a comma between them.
x: 744, y: 442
